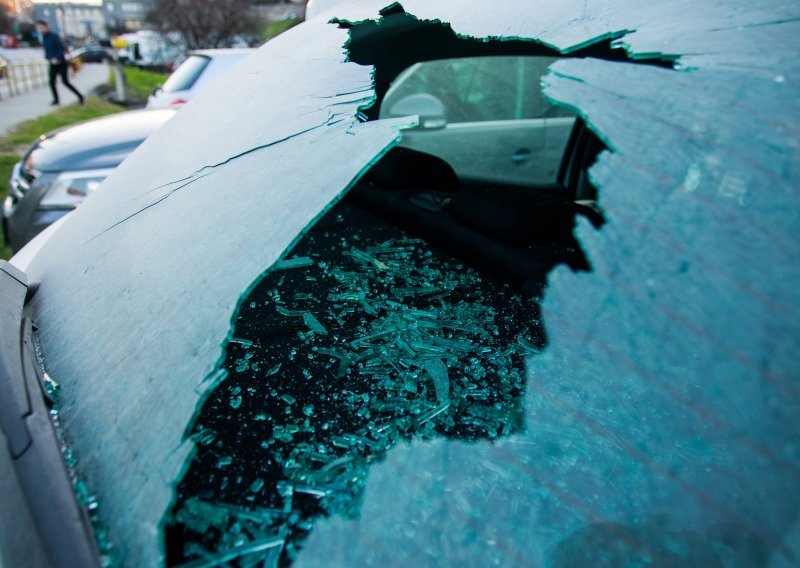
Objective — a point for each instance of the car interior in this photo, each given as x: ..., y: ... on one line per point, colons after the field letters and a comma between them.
x: 514, y: 234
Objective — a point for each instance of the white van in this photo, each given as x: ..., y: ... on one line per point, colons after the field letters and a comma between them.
x: 149, y: 48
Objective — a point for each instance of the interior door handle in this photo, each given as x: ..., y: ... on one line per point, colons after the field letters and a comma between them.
x: 522, y: 155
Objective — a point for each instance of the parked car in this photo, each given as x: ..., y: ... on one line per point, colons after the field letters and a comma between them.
x: 308, y: 322
x: 9, y: 41
x: 197, y: 72
x: 62, y: 167
x: 93, y: 54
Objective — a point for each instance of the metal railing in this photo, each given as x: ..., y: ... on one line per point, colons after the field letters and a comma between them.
x: 20, y: 77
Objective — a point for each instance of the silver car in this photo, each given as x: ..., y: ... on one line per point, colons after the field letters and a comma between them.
x: 63, y: 167
x: 197, y: 72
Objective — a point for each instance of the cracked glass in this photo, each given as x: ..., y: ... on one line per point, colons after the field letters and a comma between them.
x: 659, y: 422
x: 381, y: 340
x: 366, y: 335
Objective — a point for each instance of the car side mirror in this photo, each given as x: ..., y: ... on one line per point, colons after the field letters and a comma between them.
x: 157, y: 90
x: 431, y: 111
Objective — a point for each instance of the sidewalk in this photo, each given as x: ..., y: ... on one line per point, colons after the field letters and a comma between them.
x: 37, y: 102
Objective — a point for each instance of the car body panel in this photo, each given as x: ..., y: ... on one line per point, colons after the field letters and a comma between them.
x: 49, y: 527
x: 669, y: 384
x: 23, y: 257
x: 498, y: 151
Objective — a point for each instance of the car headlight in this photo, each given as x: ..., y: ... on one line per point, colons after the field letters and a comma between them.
x: 70, y: 188
x: 28, y: 171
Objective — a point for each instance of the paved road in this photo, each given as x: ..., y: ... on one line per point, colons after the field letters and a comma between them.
x: 35, y: 103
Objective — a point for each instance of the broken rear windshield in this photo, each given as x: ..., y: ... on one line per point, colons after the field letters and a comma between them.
x: 369, y: 335
x: 366, y: 339
x: 661, y: 417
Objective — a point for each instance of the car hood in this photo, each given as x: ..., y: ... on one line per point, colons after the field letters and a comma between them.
x: 669, y: 384
x: 99, y: 143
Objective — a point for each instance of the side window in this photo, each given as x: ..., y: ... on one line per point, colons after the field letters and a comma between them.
x: 477, y: 89
x: 485, y: 116
x: 187, y: 74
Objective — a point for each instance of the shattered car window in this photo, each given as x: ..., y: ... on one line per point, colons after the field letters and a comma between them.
x: 659, y: 422
x: 367, y: 337
x: 378, y: 329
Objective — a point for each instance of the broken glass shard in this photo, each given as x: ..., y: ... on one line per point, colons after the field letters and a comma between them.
x: 298, y: 262
x: 371, y: 368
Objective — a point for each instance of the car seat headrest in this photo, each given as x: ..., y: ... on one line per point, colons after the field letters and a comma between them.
x: 402, y: 168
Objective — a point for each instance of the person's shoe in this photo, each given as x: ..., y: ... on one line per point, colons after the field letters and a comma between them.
x: 55, y: 103
x: 81, y: 101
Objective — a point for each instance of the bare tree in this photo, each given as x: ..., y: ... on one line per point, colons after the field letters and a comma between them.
x: 204, y: 23
x: 6, y: 21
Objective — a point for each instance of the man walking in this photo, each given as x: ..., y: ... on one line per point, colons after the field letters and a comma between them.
x: 54, y: 53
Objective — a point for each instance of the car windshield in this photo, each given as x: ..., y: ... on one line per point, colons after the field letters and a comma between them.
x: 187, y: 74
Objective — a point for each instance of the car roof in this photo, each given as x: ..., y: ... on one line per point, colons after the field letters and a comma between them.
x: 668, y: 388
x: 233, y: 51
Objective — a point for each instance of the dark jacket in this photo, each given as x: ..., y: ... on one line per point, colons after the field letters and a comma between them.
x: 53, y: 47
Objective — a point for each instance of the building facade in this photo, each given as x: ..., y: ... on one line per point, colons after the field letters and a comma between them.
x: 93, y: 18
x: 126, y: 15
x: 72, y: 19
